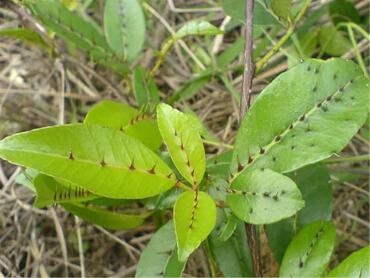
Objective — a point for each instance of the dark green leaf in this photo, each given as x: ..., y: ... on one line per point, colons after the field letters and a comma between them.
x: 145, y: 88
x: 314, y: 183
x: 232, y: 256
x: 159, y: 258
x: 104, y: 218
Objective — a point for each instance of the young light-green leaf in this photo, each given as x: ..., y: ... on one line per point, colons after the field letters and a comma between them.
x: 49, y: 191
x: 308, y: 118
x: 314, y: 183
x: 183, y: 142
x: 263, y: 197
x: 101, y: 160
x: 124, y: 27
x: 104, y: 218
x: 159, y: 258
x: 127, y: 119
x: 309, y: 252
x: 195, y: 217
x: 355, y: 265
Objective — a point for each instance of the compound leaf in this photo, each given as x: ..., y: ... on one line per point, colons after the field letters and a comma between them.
x: 101, y: 160
x: 195, y: 217
x: 183, y: 142
x: 355, y: 265
x: 263, y: 197
x: 124, y: 27
x: 127, y: 119
x: 105, y: 218
x: 309, y: 252
x: 309, y: 118
x: 159, y: 258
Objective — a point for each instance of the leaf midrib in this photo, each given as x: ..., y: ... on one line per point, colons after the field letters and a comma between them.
x: 91, y: 162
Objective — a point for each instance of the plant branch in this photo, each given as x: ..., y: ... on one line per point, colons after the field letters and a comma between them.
x: 248, y: 60
x: 260, y: 64
x: 249, y: 69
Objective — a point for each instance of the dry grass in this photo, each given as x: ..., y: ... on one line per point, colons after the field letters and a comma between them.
x: 37, y: 90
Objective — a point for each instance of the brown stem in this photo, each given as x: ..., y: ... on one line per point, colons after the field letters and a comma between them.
x: 248, y: 59
x: 249, y: 68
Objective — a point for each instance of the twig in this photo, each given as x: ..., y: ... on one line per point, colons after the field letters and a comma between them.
x: 80, y: 247
x: 248, y: 60
x: 260, y: 64
x: 249, y: 68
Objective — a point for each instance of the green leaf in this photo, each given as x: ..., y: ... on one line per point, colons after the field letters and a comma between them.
x: 195, y: 217
x: 159, y: 258
x: 309, y: 252
x: 28, y: 36
x: 124, y: 26
x: 49, y: 191
x: 129, y: 120
x: 333, y: 42
x: 314, y: 183
x: 75, y: 29
x: 343, y: 11
x: 355, y: 265
x: 308, y: 118
x: 145, y: 88
x: 263, y: 197
x: 281, y: 8
x: 232, y: 255
x: 183, y: 142
x: 89, y: 156
x: 105, y: 218
x: 236, y: 9
x: 196, y: 27
x: 219, y: 165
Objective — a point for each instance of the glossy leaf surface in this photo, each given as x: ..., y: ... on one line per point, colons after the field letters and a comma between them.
x: 105, y: 218
x: 195, y: 217
x: 308, y: 118
x: 124, y: 27
x: 263, y: 197
x: 159, y: 258
x: 309, y: 252
x: 101, y: 160
x: 127, y: 119
x: 183, y: 142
